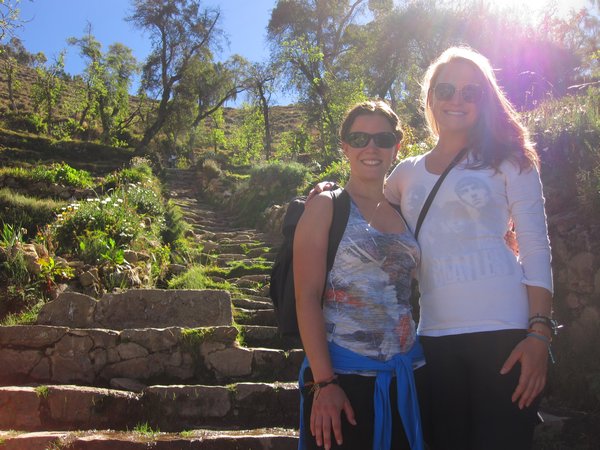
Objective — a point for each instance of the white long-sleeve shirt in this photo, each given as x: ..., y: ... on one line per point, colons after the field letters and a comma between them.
x: 469, y: 279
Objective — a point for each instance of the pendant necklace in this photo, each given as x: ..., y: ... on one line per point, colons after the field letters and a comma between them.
x: 370, y: 221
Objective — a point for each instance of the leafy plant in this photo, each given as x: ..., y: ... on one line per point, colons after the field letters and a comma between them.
x: 15, y: 268
x: 64, y: 174
x: 139, y: 171
x: 50, y: 272
x: 338, y: 171
x: 11, y: 235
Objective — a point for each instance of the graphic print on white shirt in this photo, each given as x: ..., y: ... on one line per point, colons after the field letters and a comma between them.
x: 465, y: 235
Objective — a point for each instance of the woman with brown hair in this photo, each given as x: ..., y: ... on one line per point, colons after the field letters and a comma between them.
x: 358, y: 333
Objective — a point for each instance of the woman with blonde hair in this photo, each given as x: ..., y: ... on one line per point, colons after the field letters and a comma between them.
x: 485, y: 312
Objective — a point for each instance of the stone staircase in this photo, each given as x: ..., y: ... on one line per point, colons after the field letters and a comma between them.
x: 160, y: 369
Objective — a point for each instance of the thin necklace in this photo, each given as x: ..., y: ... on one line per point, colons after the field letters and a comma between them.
x: 369, y: 221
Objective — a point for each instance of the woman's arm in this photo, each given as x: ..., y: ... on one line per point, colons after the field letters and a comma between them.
x: 310, y: 266
x: 526, y: 202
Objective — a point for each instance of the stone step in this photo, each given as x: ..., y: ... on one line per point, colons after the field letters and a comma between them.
x: 201, y: 439
x: 265, y: 317
x: 224, y: 259
x: 168, y: 408
x: 99, y: 357
x: 140, y: 308
x: 255, y: 298
x: 268, y: 336
x: 247, y: 303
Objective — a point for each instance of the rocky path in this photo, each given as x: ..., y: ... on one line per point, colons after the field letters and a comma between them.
x: 160, y: 369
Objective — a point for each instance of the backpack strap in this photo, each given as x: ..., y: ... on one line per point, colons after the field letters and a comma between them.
x: 341, y: 212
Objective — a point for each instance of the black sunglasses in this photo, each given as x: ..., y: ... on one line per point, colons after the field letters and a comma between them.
x: 360, y: 139
x: 470, y: 93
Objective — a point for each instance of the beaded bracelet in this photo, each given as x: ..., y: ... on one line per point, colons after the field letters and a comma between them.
x: 316, y: 387
x: 545, y: 339
x: 552, y: 324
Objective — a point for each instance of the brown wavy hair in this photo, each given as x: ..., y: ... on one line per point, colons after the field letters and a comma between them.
x: 499, y: 134
x: 371, y: 107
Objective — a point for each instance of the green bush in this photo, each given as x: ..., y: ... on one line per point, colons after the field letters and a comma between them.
x: 62, y: 173
x: 211, y: 169
x: 145, y: 200
x: 96, y: 247
x: 109, y: 215
x: 269, y: 184
x: 139, y: 171
x: 338, y: 171
x: 175, y: 225
x: 567, y: 135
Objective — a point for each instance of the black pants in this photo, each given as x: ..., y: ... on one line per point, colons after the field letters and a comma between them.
x: 470, y: 406
x: 359, y: 390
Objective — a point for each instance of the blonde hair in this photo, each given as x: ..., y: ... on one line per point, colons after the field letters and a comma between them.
x: 499, y: 134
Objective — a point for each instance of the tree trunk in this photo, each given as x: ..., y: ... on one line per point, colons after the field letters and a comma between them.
x: 264, y: 104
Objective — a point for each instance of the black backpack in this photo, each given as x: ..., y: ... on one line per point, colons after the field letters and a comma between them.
x: 281, y: 288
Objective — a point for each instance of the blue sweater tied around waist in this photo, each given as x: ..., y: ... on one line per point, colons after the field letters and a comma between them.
x: 400, y: 365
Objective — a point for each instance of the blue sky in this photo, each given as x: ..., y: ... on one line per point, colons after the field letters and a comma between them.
x: 49, y: 23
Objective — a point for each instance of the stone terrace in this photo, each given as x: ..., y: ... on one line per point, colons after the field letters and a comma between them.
x: 161, y: 369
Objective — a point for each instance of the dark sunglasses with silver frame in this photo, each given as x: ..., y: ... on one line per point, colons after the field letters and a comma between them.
x: 360, y: 139
x: 470, y: 93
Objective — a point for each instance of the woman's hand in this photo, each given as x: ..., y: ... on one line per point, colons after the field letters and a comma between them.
x: 326, y: 414
x: 532, y: 354
x: 320, y: 187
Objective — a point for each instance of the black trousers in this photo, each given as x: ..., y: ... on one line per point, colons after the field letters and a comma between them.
x: 469, y: 404
x: 359, y: 390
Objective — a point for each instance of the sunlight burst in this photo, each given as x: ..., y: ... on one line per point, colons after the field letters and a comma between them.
x: 529, y: 10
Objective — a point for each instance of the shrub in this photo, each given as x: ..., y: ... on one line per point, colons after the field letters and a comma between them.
x: 96, y: 247
x: 139, y: 171
x: 211, y: 169
x: 175, y: 225
x: 109, y: 215
x: 62, y: 173
x: 338, y: 171
x: 268, y: 184
x: 567, y: 134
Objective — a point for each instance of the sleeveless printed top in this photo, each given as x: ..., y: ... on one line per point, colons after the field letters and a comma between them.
x: 366, y: 304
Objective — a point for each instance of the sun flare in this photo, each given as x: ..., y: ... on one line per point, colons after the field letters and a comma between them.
x: 529, y: 10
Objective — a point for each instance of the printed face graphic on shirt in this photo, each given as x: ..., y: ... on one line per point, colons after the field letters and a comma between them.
x: 466, y: 239
x: 473, y: 192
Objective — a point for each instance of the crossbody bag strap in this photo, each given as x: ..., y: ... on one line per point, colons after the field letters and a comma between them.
x: 435, y: 188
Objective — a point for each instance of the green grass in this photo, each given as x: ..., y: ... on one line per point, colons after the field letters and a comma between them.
x: 42, y: 391
x: 196, y: 277
x: 27, y: 212
x: 27, y: 316
x: 145, y: 429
